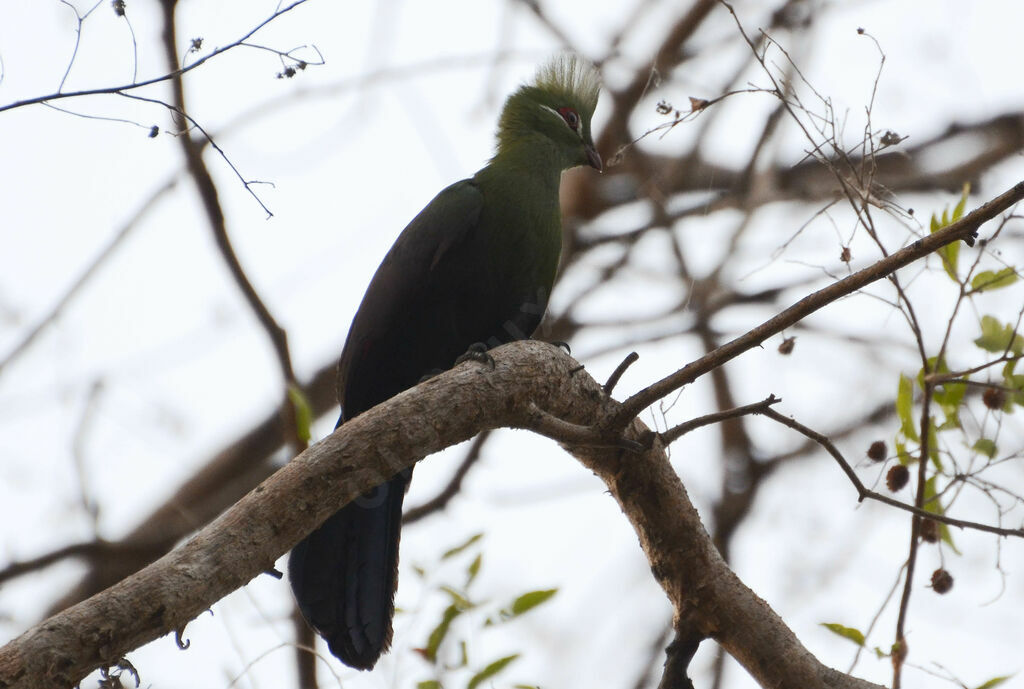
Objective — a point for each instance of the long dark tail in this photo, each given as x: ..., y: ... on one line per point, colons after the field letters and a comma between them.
x: 345, y: 573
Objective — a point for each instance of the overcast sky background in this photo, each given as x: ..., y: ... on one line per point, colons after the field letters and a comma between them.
x: 183, y: 365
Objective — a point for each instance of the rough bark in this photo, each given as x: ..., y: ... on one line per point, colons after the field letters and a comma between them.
x: 247, y: 539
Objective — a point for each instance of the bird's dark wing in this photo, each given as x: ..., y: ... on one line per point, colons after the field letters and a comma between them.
x: 345, y: 573
x: 400, y: 332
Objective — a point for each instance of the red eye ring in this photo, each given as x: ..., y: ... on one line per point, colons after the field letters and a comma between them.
x: 571, y: 117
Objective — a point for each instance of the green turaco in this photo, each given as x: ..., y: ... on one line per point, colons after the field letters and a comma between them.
x: 475, y: 266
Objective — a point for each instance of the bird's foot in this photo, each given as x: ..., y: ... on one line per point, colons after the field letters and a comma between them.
x: 477, y: 352
x: 562, y: 345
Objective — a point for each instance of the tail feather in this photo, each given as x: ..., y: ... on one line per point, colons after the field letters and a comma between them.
x: 345, y: 573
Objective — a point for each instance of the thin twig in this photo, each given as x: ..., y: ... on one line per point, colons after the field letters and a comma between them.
x: 441, y: 500
x: 673, y: 434
x: 613, y: 379
x: 965, y: 227
x: 864, y: 493
x: 92, y: 550
x: 119, y: 90
x: 900, y: 651
x: 76, y: 286
x: 181, y: 113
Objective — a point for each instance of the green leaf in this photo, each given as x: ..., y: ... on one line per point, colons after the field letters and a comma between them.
x: 948, y: 395
x: 303, y: 412
x: 854, y: 635
x: 1015, y: 385
x: 947, y: 537
x: 906, y: 459
x: 904, y: 408
x: 1009, y: 367
x: 986, y: 447
x: 958, y: 211
x: 530, y: 600
x: 473, y: 569
x: 428, y: 684
x: 994, y: 682
x: 452, y: 552
x: 520, y: 605
x: 933, y: 505
x: 490, y: 671
x: 440, y: 631
x: 935, y: 365
x: 950, y: 257
x: 988, y: 280
x: 458, y: 598
x: 929, y: 503
x: 999, y: 338
x: 950, y: 253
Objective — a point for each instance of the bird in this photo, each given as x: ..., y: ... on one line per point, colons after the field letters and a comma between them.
x: 471, y: 271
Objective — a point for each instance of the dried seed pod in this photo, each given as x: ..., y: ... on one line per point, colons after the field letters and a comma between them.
x: 877, y: 451
x: 897, y: 478
x: 942, y: 581
x: 929, y: 531
x: 994, y: 398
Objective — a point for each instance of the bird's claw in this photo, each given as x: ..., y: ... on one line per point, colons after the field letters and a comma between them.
x: 477, y: 352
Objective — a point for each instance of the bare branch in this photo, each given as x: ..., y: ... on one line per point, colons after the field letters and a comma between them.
x: 119, y: 90
x: 76, y: 286
x: 441, y: 500
x: 613, y: 379
x: 249, y: 537
x: 864, y: 493
x: 673, y: 434
x: 963, y: 229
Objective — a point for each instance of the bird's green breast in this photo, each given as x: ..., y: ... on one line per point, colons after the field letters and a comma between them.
x: 521, y: 223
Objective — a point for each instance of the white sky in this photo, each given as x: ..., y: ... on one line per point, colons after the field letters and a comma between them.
x: 184, y: 366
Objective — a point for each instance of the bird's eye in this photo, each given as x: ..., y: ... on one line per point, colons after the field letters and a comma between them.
x: 571, y: 117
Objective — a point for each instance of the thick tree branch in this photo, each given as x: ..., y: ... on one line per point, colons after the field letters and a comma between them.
x: 248, y: 538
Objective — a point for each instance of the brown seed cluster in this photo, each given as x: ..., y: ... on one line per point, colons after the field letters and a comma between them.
x: 897, y: 478
x: 929, y: 531
x: 942, y: 581
x: 877, y: 451
x: 994, y: 398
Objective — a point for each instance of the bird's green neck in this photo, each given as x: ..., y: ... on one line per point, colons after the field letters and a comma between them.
x: 532, y: 160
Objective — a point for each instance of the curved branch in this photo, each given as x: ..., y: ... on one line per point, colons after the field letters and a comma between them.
x: 247, y: 539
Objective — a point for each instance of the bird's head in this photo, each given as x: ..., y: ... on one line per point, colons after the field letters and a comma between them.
x: 556, y: 109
